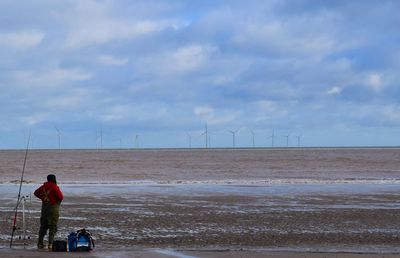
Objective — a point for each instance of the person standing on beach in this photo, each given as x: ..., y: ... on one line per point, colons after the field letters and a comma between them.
x: 51, y: 197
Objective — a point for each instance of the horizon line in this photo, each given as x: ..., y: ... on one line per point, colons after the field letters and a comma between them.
x: 208, y: 148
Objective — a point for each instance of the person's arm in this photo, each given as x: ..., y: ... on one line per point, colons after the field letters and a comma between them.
x: 59, y: 195
x: 39, y: 192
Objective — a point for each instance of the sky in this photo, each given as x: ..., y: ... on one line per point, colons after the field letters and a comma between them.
x: 148, y: 74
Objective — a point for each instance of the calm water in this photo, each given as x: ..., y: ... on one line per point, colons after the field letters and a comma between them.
x: 258, y: 166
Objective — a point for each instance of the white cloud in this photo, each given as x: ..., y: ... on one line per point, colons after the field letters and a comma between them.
x: 392, y: 112
x: 270, y: 107
x: 21, y: 40
x: 204, y: 111
x: 182, y: 60
x: 92, y: 23
x: 69, y: 100
x: 293, y: 36
x: 49, y: 78
x: 111, y: 60
x: 222, y: 79
x: 191, y: 57
x: 116, y: 113
x: 33, y: 119
x: 126, y: 113
x: 374, y: 80
x: 209, y: 115
x: 334, y: 91
x: 103, y: 31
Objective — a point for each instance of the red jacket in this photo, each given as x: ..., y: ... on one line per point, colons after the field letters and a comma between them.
x: 49, y: 192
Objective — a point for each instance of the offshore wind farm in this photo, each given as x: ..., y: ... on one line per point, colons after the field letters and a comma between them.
x: 242, y: 137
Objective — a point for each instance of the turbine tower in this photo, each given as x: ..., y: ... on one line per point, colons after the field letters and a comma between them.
x: 206, y: 135
x: 137, y: 141
x: 233, y: 136
x: 101, y: 138
x: 272, y: 136
x: 190, y: 139
x: 287, y: 139
x: 96, y: 140
x: 253, y: 136
x: 59, y: 138
x: 99, y: 135
x: 298, y: 140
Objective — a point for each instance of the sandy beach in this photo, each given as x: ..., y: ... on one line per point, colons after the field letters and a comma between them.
x: 261, y: 210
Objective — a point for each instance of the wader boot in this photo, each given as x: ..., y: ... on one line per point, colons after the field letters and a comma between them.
x: 40, y: 245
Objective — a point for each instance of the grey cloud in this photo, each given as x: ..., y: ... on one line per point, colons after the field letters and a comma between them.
x: 159, y: 65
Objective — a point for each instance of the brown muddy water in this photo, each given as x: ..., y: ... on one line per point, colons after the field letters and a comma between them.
x: 282, y: 199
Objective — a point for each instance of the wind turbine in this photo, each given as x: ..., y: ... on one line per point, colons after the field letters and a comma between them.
x: 59, y: 138
x: 99, y: 136
x: 272, y: 136
x: 137, y: 140
x: 96, y: 140
x: 298, y: 139
x: 253, y: 135
x: 190, y: 139
x: 233, y: 136
x: 287, y: 139
x: 206, y: 135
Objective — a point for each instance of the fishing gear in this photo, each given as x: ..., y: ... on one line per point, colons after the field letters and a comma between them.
x: 14, y: 227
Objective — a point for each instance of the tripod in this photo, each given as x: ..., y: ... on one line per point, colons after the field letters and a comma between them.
x: 22, y: 201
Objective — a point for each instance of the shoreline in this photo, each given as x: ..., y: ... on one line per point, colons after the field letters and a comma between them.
x: 280, y: 148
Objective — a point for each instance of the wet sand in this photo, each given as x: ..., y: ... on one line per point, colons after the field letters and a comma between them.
x: 273, y: 218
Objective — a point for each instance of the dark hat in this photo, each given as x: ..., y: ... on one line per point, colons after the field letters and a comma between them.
x: 51, y: 178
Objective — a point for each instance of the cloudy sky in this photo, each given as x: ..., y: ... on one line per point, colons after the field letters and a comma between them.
x: 156, y: 71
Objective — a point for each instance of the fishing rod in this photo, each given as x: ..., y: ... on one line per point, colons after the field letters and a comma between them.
x: 19, y: 192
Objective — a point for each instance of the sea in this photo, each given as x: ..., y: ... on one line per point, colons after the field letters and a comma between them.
x: 332, y: 199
